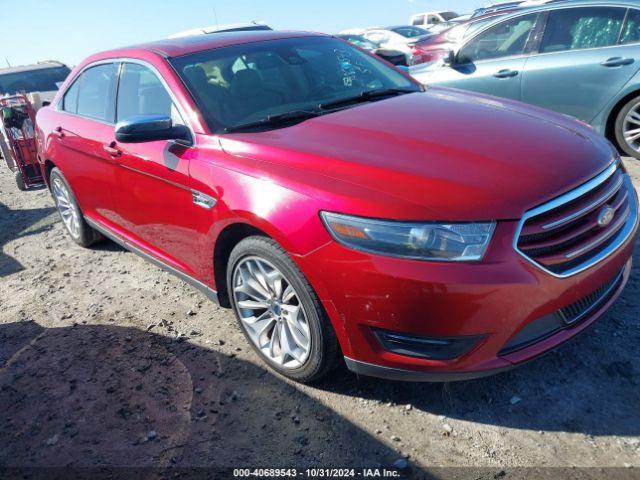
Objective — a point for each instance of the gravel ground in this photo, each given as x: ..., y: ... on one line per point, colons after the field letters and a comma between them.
x: 105, y: 360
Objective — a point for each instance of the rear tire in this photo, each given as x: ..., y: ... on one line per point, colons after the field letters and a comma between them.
x: 296, y: 338
x: 20, y: 181
x: 69, y: 210
x: 627, y: 122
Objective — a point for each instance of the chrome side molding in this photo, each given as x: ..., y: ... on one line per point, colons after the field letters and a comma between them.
x: 202, y: 200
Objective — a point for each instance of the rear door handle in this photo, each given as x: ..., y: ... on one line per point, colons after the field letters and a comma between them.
x: 112, y: 150
x: 617, y: 62
x: 506, y: 73
x: 58, y: 132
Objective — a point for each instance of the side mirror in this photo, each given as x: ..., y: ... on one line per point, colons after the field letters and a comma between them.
x: 150, y: 128
x: 449, y: 58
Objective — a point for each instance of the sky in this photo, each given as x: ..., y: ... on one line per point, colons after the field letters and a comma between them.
x: 70, y: 30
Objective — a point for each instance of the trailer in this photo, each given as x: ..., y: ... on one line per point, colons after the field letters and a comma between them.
x: 18, y: 141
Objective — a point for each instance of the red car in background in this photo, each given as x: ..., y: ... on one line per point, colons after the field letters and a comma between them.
x: 435, y: 47
x: 340, y: 209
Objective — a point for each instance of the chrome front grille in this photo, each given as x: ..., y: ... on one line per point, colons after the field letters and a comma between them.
x: 582, y: 227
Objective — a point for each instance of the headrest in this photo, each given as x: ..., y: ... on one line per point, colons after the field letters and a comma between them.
x: 246, y: 83
x: 196, y: 75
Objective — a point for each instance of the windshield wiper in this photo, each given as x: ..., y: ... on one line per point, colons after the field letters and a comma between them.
x: 366, y: 96
x: 275, y: 120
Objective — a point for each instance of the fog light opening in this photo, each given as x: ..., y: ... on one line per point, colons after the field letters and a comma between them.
x: 431, y: 348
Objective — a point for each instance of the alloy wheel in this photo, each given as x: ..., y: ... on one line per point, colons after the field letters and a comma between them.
x: 66, y: 207
x: 271, y: 312
x: 631, y: 128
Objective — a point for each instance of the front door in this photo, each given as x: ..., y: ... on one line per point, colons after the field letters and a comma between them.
x: 153, y: 192
x: 491, y: 62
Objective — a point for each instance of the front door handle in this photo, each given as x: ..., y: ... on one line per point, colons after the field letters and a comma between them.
x: 58, y: 132
x: 506, y: 73
x: 112, y: 150
x: 617, y: 62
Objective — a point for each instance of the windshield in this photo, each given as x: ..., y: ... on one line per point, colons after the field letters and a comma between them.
x: 236, y: 85
x: 410, y: 32
x: 41, y: 80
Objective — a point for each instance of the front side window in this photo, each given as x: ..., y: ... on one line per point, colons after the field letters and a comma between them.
x: 506, y: 39
x: 141, y: 92
x: 91, y: 95
x: 631, y: 32
x: 419, y: 20
x: 237, y: 85
x: 579, y: 28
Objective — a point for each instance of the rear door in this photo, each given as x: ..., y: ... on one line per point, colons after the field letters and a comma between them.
x: 153, y: 194
x: 583, y: 60
x: 86, y: 117
x: 491, y: 62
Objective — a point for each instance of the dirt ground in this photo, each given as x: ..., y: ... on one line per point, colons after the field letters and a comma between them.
x: 107, y: 361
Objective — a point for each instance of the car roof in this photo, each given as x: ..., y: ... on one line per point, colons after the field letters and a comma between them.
x: 555, y: 5
x: 176, y: 47
x: 400, y: 26
x: 30, y: 68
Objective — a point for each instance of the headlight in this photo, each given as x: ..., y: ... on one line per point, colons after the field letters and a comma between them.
x: 452, y: 242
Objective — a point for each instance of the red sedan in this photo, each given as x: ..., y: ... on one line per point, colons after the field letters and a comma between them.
x: 340, y: 209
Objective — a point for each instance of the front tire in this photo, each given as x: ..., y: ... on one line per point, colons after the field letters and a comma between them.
x: 279, y: 312
x: 627, y: 128
x: 69, y: 210
x: 20, y: 181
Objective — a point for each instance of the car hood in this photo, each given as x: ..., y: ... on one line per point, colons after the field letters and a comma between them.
x: 443, y: 154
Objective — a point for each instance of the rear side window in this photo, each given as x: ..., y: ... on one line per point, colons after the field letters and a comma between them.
x: 141, y: 92
x: 580, y: 28
x: 506, y: 39
x: 631, y: 32
x: 92, y: 94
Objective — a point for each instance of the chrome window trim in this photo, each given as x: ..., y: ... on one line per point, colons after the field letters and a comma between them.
x: 58, y: 106
x: 622, y: 236
x: 119, y: 62
x: 548, y: 9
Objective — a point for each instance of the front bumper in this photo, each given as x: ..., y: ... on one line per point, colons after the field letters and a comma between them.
x: 495, y: 300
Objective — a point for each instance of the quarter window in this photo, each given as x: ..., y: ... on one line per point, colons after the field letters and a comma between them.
x: 142, y: 93
x: 70, y: 99
x: 631, y: 32
x: 506, y: 39
x: 579, y: 28
x: 95, y: 95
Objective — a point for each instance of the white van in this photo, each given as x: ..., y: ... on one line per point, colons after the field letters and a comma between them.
x: 429, y: 19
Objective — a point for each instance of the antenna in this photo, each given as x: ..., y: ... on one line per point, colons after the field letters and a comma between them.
x: 7, y: 60
x: 215, y: 16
